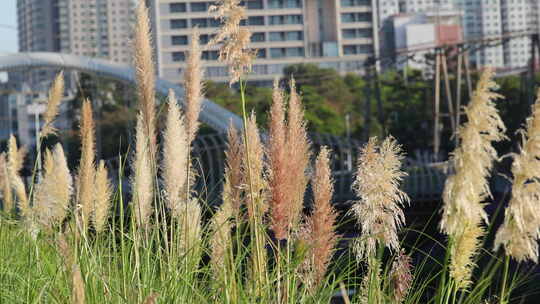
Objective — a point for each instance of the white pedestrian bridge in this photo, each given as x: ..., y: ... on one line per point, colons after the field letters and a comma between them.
x: 212, y: 114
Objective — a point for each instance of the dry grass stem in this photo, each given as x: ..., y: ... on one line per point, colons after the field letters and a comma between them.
x: 175, y: 157
x: 86, y: 174
x: 102, y: 200
x: 145, y: 78
x: 55, y: 98
x: 379, y: 209
x: 14, y: 165
x: 70, y: 261
x: 53, y: 193
x: 520, y: 231
x: 235, y: 39
x: 142, y: 184
x: 193, y: 87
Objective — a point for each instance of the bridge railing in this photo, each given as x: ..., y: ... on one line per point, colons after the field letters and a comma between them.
x: 425, y: 180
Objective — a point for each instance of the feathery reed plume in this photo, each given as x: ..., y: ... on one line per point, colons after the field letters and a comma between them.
x: 53, y: 193
x: 77, y: 281
x: 473, y: 159
x: 377, y: 183
x: 520, y: 231
x: 193, y: 87
x: 102, y: 200
x: 175, y: 157
x: 7, y: 195
x: 289, y: 151
x: 141, y: 184
x: 14, y: 165
x: 465, y: 190
x: 466, y: 246
x: 235, y: 39
x: 145, y: 78
x: 85, y: 178
x: 55, y: 98
x: 232, y: 191
x: 298, y: 153
x: 401, y: 276
x: 322, y: 237
x: 256, y: 179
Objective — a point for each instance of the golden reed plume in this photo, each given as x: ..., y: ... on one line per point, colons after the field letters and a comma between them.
x: 14, y: 165
x: 55, y: 98
x: 102, y: 199
x: 465, y: 191
x: 7, y: 195
x: 86, y: 174
x: 193, y: 87
x: 145, y: 78
x: 520, y: 231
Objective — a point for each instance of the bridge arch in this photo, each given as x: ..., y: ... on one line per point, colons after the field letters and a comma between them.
x: 212, y: 114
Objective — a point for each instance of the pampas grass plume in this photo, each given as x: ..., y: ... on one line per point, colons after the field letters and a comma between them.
x: 379, y: 209
x: 256, y: 180
x: 193, y: 86
x: 401, y: 276
x: 14, y: 164
x: 5, y: 185
x: 53, y: 193
x: 145, y: 78
x: 175, y: 157
x: 232, y: 186
x: 86, y: 174
x: 520, y: 231
x: 102, y: 200
x: 55, y: 98
x: 142, y: 185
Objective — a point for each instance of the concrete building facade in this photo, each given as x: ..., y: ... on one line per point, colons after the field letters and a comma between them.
x: 340, y: 34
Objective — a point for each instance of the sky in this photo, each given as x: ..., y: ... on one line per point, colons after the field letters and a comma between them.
x: 8, y: 26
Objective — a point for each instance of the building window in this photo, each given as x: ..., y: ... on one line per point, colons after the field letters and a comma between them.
x: 178, y: 23
x: 354, y: 2
x: 210, y: 55
x: 253, y: 20
x: 199, y: 6
x: 357, y: 33
x: 284, y: 3
x: 253, y: 4
x: 177, y: 7
x: 179, y: 40
x: 178, y: 56
x: 205, y: 38
x: 261, y: 53
x: 200, y: 22
x: 286, y: 36
x: 286, y: 52
x: 355, y: 17
x: 286, y: 19
x: 257, y: 37
x: 357, y: 49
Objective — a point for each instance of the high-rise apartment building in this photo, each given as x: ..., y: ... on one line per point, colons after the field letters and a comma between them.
x: 97, y: 28
x: 337, y: 33
x: 94, y: 28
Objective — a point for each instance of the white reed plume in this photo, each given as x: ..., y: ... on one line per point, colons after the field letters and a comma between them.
x: 53, y: 193
x: 102, y: 200
x: 379, y: 209
x: 142, y: 184
x: 14, y: 166
x: 520, y: 231
x: 55, y: 98
x: 175, y: 157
